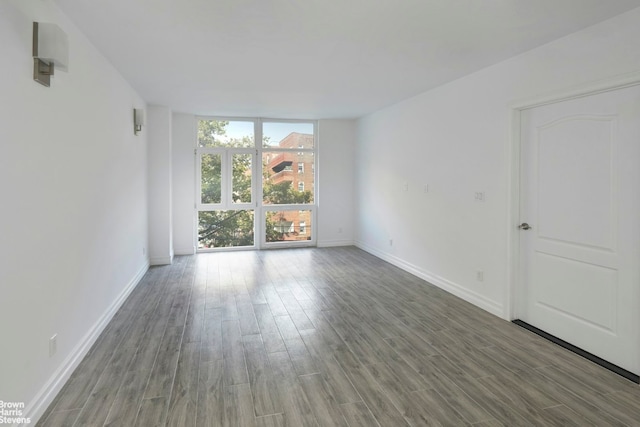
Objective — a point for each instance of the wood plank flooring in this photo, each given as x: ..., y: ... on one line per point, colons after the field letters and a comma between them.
x: 324, y: 337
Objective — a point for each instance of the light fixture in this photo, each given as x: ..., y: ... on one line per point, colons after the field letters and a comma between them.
x: 138, y: 120
x: 50, y: 50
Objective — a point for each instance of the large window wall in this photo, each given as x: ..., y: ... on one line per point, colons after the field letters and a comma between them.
x: 256, y: 183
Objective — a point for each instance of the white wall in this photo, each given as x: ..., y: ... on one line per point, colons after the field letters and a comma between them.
x: 336, y: 183
x: 336, y: 167
x: 73, y: 216
x: 159, y: 127
x: 456, y: 139
x: 183, y: 161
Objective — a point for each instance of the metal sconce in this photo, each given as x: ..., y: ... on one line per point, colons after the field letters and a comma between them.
x: 138, y: 120
x: 50, y: 51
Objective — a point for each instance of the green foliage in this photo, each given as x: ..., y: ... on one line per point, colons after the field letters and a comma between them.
x: 283, y: 193
x: 221, y: 229
x: 211, y: 168
x: 241, y: 178
x: 273, y: 232
x: 213, y: 133
x: 217, y: 229
x: 208, y: 130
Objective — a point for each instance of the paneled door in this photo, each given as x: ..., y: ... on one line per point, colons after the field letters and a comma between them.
x: 580, y: 223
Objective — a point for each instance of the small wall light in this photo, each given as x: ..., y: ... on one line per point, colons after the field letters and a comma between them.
x: 50, y: 50
x: 138, y: 120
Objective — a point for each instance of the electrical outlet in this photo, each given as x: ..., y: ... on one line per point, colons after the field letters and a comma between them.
x: 339, y: 230
x: 144, y: 251
x: 405, y: 186
x: 479, y: 196
x: 426, y: 188
x: 390, y: 242
x: 53, y: 345
x: 480, y: 275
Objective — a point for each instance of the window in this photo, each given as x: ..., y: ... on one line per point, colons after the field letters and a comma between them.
x: 225, y: 157
x: 237, y: 159
x: 288, y: 226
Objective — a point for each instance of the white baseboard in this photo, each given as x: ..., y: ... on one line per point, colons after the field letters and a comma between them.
x: 442, y: 283
x: 184, y: 251
x: 52, y: 387
x: 165, y: 260
x: 333, y: 243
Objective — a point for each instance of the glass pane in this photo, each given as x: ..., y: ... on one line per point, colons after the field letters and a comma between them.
x: 287, y: 226
x: 224, y: 229
x: 287, y: 135
x: 225, y: 133
x: 287, y: 178
x: 241, y: 192
x: 211, y: 173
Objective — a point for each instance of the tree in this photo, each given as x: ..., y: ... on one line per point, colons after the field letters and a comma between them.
x: 224, y: 228
x: 281, y: 193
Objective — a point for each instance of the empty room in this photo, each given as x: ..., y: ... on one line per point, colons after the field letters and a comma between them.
x: 318, y: 213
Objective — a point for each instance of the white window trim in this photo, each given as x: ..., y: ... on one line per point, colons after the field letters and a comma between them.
x: 257, y: 196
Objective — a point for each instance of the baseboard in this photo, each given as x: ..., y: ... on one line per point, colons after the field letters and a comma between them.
x: 442, y: 283
x: 52, y: 387
x: 184, y: 251
x: 165, y: 260
x: 334, y: 243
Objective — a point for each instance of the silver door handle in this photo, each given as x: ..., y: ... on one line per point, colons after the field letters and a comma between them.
x: 524, y: 226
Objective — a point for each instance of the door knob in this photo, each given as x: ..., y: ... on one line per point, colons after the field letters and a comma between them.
x: 524, y: 226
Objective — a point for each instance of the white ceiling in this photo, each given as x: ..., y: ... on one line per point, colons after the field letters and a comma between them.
x: 315, y: 58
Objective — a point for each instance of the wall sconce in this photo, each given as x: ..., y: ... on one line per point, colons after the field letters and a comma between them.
x: 50, y: 50
x: 138, y: 120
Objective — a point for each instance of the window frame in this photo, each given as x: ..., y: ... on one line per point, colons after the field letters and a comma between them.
x: 257, y: 203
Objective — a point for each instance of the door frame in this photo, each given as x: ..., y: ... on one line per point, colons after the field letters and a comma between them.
x: 262, y: 208
x: 513, y: 298
x: 226, y: 190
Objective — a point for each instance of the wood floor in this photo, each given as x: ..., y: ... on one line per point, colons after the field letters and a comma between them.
x: 323, y: 337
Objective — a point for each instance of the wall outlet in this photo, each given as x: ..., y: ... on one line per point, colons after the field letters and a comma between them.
x: 144, y: 251
x: 426, y: 188
x: 339, y: 230
x: 479, y: 196
x: 405, y: 186
x: 53, y: 345
x: 480, y: 275
x: 390, y: 242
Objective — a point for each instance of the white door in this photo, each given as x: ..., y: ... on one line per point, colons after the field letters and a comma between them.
x: 580, y: 194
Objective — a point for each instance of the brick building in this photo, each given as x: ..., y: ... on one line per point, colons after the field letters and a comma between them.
x: 296, y: 167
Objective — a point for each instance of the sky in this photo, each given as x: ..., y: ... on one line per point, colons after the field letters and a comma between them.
x: 275, y: 131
